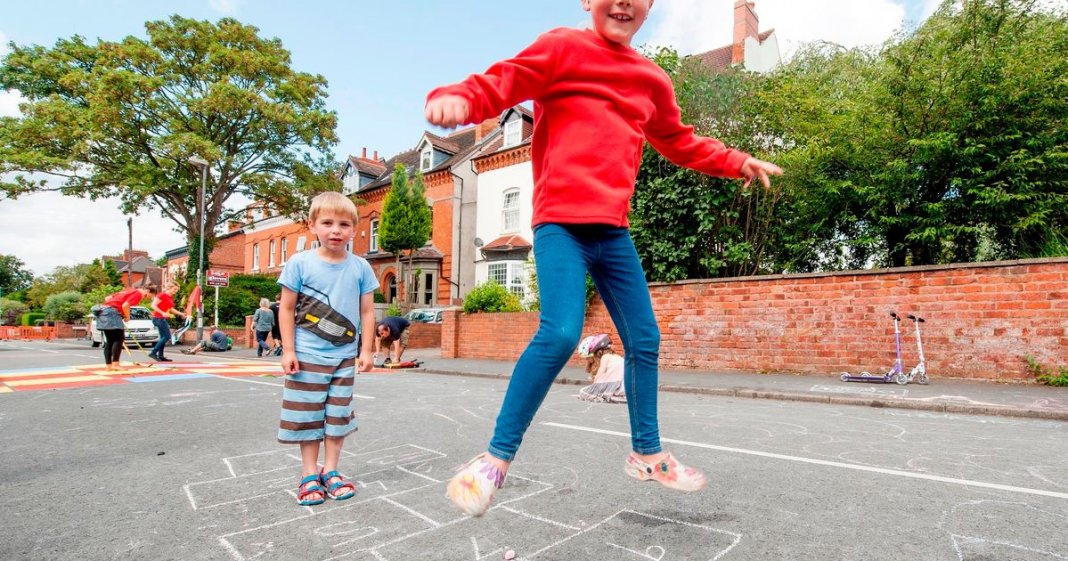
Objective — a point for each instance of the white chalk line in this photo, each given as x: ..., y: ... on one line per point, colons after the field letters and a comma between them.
x: 247, y: 381
x: 884, y: 471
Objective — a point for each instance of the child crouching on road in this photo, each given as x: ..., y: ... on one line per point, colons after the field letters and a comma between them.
x: 606, y: 369
x: 327, y: 325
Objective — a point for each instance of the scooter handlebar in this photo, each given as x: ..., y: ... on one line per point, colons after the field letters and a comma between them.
x: 893, y: 315
x: 914, y: 318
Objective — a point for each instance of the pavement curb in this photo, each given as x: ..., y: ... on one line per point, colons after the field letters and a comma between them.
x: 879, y: 402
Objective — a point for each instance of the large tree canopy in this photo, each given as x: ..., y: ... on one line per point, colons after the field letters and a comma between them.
x: 121, y: 119
x: 949, y: 143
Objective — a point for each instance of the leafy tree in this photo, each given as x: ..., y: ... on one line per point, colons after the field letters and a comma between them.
x: 65, y: 306
x: 97, y: 295
x: 406, y: 219
x: 945, y: 145
x: 14, y: 277
x: 686, y: 224
x: 121, y: 119
x: 11, y: 311
x: 114, y: 277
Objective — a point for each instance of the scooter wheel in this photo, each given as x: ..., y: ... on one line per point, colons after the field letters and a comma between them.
x: 922, y: 379
x: 845, y: 376
x: 901, y: 378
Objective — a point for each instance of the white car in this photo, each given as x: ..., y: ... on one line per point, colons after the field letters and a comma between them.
x: 139, y: 329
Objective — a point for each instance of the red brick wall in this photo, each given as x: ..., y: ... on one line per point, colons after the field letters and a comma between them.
x: 424, y: 336
x: 982, y: 320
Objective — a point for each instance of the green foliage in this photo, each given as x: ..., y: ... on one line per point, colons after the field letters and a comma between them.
x: 234, y: 305
x: 121, y: 118
x: 264, y: 286
x: 535, y: 290
x: 30, y: 318
x: 86, y: 277
x: 394, y: 310
x: 946, y: 145
x: 11, y: 311
x: 13, y: 275
x: 1047, y: 377
x: 65, y: 306
x: 689, y: 225
x: 405, y: 224
x: 379, y: 297
x: 491, y: 297
x: 97, y: 295
x: 113, y: 275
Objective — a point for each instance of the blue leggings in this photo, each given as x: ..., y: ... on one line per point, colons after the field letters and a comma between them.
x: 563, y: 254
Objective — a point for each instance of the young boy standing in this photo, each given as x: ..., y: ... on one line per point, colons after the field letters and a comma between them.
x: 327, y: 318
x: 596, y: 102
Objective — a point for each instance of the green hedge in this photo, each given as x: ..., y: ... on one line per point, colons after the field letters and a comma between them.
x: 30, y: 318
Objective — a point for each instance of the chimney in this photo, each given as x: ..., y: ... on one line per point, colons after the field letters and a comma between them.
x: 364, y: 156
x: 376, y: 155
x: 746, y: 24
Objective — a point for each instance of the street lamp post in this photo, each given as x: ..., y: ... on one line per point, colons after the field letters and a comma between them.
x: 203, y: 165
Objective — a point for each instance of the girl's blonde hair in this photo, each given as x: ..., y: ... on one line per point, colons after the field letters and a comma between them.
x: 332, y: 202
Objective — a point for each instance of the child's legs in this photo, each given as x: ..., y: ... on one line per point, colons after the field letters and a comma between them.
x: 340, y: 419
x: 618, y: 274
x: 309, y: 457
x: 304, y: 401
x: 164, y: 335
x: 561, y: 260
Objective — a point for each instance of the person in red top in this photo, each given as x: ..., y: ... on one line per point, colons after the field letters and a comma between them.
x: 596, y: 102
x: 110, y: 318
x: 162, y: 310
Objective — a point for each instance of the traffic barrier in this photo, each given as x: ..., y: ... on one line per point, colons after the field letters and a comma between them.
x: 27, y: 332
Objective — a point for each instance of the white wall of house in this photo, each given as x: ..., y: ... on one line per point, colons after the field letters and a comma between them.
x: 762, y: 57
x: 492, y: 186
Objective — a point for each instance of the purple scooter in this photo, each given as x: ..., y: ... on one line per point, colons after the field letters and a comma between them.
x: 897, y: 371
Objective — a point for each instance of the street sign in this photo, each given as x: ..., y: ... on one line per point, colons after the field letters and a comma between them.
x: 218, y: 278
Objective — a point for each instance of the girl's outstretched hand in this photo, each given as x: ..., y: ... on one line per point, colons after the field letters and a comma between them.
x: 447, y: 111
x: 754, y: 168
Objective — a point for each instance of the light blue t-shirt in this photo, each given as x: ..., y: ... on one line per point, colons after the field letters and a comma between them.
x: 328, y: 302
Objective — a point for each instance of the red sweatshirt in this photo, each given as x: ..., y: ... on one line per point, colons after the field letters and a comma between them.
x: 595, y: 103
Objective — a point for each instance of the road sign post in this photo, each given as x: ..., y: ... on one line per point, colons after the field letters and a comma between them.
x: 217, y: 279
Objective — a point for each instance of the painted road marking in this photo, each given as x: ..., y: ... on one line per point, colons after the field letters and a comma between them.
x: 884, y: 471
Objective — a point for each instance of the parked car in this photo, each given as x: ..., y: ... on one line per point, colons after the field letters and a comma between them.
x: 426, y: 315
x: 139, y: 329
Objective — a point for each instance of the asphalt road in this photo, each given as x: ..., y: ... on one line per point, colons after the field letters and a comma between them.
x: 189, y: 469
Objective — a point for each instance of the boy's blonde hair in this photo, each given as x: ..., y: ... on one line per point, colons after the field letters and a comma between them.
x: 332, y: 202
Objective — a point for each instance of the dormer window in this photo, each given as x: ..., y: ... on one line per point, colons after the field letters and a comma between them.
x: 513, y: 132
x: 426, y: 158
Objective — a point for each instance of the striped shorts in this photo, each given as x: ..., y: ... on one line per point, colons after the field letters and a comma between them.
x: 317, y: 400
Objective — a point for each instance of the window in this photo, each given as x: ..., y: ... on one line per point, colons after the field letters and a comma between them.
x: 423, y: 294
x: 301, y: 242
x: 374, y: 237
x: 510, y: 211
x: 285, y: 251
x: 255, y: 257
x: 392, y: 293
x: 270, y: 256
x: 426, y: 158
x: 314, y: 244
x: 513, y: 132
x: 511, y: 275
x: 348, y: 247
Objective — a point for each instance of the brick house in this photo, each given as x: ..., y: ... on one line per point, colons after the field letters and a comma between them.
x: 135, y: 267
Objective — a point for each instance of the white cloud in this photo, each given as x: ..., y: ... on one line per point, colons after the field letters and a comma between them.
x: 46, y: 230
x: 9, y: 103
x: 694, y: 26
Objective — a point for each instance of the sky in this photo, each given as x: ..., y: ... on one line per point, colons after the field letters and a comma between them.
x: 380, y: 58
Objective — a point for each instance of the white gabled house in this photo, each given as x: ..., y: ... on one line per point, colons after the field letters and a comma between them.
x: 503, y: 234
